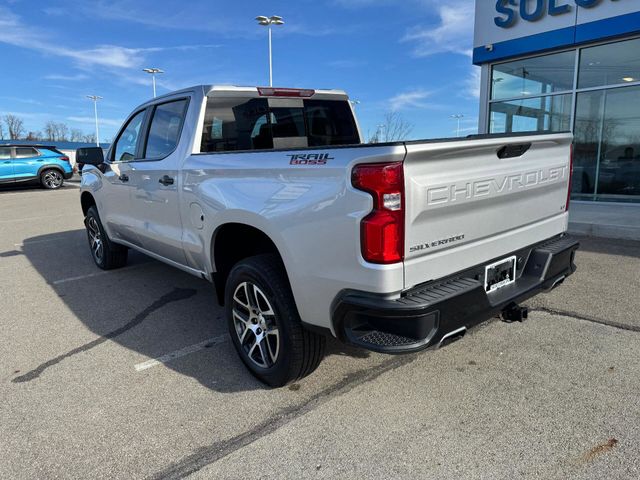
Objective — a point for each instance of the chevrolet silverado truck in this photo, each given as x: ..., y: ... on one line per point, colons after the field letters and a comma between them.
x: 305, y: 231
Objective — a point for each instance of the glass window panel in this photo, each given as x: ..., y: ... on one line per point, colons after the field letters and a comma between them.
x: 236, y: 124
x: 610, y: 64
x: 607, y: 144
x: 26, y: 152
x: 586, y: 138
x: 541, y: 114
x: 330, y: 122
x: 533, y: 76
x: 165, y: 128
x: 127, y: 143
x: 5, y: 153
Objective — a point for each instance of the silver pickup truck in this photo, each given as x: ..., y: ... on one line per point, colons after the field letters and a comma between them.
x: 305, y: 231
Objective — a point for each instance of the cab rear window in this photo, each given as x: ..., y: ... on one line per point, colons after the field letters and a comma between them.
x: 233, y: 124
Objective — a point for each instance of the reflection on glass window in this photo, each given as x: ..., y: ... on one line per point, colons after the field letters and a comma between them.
x: 165, y: 128
x: 533, y: 76
x: 236, y: 124
x: 615, y: 63
x: 541, y: 114
x: 607, y: 143
x: 127, y: 143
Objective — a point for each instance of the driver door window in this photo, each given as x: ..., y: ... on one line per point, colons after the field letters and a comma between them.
x: 126, y: 145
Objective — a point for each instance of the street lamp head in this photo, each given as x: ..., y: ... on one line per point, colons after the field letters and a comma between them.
x: 152, y: 70
x: 95, y: 98
x: 268, y: 21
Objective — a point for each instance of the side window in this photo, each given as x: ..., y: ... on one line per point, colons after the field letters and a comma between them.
x: 26, y: 152
x: 125, y: 146
x: 236, y: 124
x: 166, y: 125
x: 5, y: 153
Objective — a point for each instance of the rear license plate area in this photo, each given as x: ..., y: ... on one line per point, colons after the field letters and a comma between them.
x: 499, y: 274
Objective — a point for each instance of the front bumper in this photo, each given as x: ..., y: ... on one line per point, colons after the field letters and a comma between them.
x: 426, y: 314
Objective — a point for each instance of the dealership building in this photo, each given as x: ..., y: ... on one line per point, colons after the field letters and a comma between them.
x: 558, y: 65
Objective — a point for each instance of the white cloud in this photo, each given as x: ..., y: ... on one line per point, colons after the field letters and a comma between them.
x: 112, y: 122
x: 411, y: 99
x: 14, y: 32
x: 472, y: 83
x: 70, y: 78
x: 452, y: 34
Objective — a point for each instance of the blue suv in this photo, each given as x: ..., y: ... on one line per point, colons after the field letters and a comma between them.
x: 38, y: 163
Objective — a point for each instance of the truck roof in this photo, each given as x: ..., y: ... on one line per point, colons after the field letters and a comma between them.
x: 248, y: 91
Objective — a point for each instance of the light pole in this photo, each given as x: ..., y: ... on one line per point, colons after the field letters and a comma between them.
x: 153, y: 72
x: 95, y: 99
x: 458, y: 117
x: 267, y: 22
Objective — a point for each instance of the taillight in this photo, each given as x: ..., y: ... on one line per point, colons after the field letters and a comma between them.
x: 382, y: 231
x: 566, y: 207
x: 285, y: 92
x: 65, y: 159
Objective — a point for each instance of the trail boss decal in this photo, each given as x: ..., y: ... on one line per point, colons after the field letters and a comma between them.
x: 436, y: 243
x: 309, y: 158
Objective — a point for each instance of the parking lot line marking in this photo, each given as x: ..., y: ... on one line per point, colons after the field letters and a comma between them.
x: 95, y: 274
x: 181, y: 353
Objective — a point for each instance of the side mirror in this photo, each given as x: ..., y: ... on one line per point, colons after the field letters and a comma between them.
x: 90, y: 156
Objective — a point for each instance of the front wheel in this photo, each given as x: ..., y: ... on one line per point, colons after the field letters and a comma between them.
x: 264, y: 323
x: 106, y: 254
x: 51, y: 179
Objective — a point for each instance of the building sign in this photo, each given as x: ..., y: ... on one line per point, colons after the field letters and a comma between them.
x: 532, y: 11
x: 508, y: 28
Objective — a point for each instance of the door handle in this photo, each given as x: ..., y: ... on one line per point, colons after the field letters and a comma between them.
x: 124, y: 178
x: 166, y: 180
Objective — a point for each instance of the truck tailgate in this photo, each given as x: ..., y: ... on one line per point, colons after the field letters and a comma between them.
x: 474, y: 200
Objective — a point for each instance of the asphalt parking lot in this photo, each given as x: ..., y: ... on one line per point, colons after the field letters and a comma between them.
x: 129, y: 374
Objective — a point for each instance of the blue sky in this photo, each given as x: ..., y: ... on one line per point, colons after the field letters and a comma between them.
x: 409, y: 56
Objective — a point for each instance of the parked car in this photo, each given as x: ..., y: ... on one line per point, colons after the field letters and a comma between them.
x: 34, y: 163
x: 305, y: 232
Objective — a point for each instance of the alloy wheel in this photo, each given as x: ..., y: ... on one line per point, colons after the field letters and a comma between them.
x: 95, y: 239
x: 256, y: 325
x: 52, y: 179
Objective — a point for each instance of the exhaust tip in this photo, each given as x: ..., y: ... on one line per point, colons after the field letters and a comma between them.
x: 452, y: 336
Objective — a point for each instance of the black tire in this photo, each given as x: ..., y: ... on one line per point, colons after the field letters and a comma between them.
x: 299, y: 351
x: 51, y: 179
x: 106, y: 254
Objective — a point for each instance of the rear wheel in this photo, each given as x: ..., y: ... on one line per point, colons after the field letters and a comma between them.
x: 51, y: 179
x: 106, y: 254
x: 264, y: 323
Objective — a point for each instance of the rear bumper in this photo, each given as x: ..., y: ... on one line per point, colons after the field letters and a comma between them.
x: 67, y: 175
x: 426, y: 314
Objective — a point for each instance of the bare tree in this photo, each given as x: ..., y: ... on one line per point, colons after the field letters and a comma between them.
x: 75, y: 135
x: 34, y: 136
x: 56, y: 131
x: 1, y: 132
x: 393, y: 129
x: 89, y: 138
x: 15, y: 126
